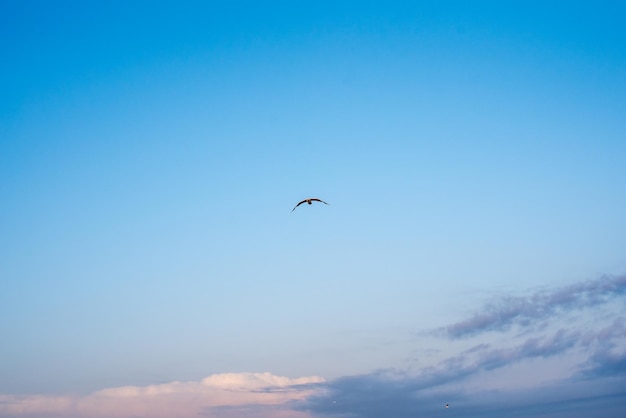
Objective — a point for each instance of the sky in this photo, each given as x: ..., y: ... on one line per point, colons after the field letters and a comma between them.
x: 472, y: 252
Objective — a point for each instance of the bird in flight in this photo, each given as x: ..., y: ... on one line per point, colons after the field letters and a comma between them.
x: 446, y: 406
x: 309, y: 201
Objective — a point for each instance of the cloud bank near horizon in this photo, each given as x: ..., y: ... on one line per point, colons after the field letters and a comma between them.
x: 590, y: 352
x: 218, y: 395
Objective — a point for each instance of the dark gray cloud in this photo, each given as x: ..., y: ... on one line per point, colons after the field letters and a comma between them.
x: 490, y: 359
x: 598, y: 388
x: 501, y: 314
x: 607, y: 364
x: 393, y: 393
x: 609, y: 356
x: 379, y: 395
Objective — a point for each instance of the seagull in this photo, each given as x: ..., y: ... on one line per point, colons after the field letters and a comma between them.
x: 309, y: 201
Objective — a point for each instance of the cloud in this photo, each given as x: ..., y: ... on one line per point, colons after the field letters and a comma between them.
x: 600, y: 386
x: 505, y: 376
x: 485, y: 358
x: 509, y: 374
x: 233, y: 392
x: 609, y: 357
x: 501, y: 314
x: 379, y: 395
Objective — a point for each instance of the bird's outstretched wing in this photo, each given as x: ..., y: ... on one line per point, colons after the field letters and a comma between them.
x: 319, y: 200
x: 299, y: 203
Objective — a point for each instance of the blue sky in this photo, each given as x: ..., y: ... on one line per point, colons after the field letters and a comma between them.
x: 472, y: 154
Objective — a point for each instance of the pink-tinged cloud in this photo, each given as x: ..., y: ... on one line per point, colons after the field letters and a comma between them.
x: 234, y: 394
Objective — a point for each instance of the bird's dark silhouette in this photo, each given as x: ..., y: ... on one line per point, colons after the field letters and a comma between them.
x: 310, y: 202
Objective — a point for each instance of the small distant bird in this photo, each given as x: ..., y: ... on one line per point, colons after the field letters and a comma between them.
x: 446, y: 406
x: 309, y: 201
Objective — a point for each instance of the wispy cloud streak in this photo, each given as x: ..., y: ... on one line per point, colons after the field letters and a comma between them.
x: 506, y: 311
